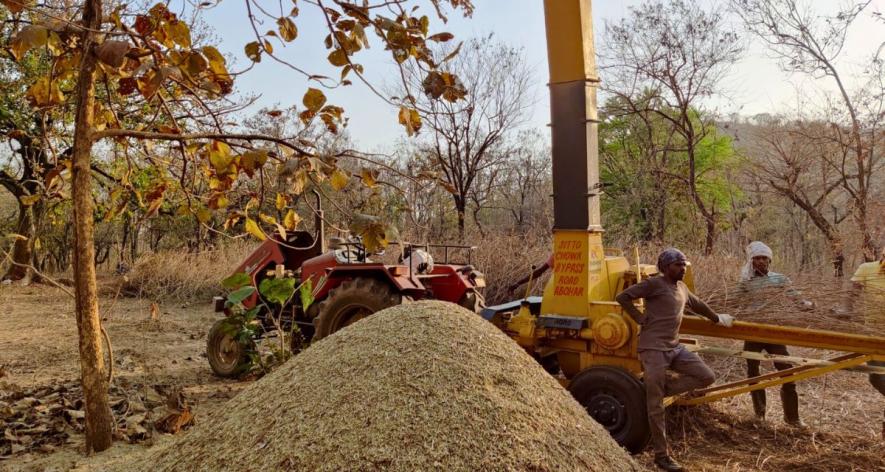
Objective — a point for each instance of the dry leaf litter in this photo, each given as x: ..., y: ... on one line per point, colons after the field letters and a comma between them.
x: 420, y: 386
x: 41, y: 419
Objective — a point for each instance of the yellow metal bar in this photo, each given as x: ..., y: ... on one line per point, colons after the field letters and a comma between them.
x: 793, y: 360
x: 570, y: 50
x: 787, y: 335
x: 805, y: 374
x: 772, y: 375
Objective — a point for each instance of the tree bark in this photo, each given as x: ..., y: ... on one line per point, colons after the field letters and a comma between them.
x: 23, y: 249
x: 99, y: 419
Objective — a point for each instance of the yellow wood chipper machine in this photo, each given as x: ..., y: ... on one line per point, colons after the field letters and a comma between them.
x: 577, y: 327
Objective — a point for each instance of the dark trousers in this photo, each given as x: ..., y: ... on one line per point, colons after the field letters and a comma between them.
x: 789, y: 397
x: 694, y: 374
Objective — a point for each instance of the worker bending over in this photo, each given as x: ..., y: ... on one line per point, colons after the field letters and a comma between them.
x: 756, y: 280
x: 666, y: 297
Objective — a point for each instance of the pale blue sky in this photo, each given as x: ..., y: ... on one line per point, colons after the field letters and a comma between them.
x: 754, y: 86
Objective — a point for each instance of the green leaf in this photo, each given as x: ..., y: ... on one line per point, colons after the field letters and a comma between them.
x: 237, y: 296
x: 277, y: 291
x: 236, y: 281
x: 306, y: 293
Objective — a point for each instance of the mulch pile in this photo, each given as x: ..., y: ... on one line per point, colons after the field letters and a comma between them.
x: 41, y: 419
x: 420, y: 386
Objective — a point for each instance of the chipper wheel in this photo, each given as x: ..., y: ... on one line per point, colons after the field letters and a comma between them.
x: 616, y: 400
x: 227, y: 356
x: 352, y: 301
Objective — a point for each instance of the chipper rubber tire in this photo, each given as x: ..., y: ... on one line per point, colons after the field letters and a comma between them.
x: 227, y: 356
x: 616, y: 400
x: 352, y: 301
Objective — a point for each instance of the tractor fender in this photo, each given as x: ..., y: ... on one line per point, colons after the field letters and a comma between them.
x: 400, y: 283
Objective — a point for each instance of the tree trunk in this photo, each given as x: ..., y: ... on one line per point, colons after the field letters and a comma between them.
x: 23, y: 248
x: 99, y: 419
x: 711, y: 234
x: 461, y: 208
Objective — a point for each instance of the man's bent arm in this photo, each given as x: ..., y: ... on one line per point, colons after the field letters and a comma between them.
x: 626, y: 302
x: 697, y: 306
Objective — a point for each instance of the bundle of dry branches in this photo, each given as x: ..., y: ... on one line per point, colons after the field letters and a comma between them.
x: 809, y: 302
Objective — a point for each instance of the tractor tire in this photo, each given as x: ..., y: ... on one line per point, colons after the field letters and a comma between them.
x: 615, y: 399
x: 227, y: 356
x: 352, y: 301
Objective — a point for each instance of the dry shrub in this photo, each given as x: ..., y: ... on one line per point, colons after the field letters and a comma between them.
x: 419, y: 386
x: 504, y: 259
x: 185, y: 275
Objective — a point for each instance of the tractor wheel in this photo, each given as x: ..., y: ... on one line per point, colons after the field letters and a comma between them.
x: 352, y: 301
x: 473, y: 301
x: 227, y: 356
x: 616, y: 400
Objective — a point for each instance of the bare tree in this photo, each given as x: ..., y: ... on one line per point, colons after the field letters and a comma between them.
x: 464, y: 138
x: 810, y: 43
x: 783, y: 156
x: 680, y: 52
x: 527, y: 179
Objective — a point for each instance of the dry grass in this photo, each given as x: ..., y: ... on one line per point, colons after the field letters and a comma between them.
x: 504, y: 259
x: 185, y: 275
x: 708, y: 438
x: 420, y: 386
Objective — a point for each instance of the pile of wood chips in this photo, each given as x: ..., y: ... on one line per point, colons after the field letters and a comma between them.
x: 420, y: 386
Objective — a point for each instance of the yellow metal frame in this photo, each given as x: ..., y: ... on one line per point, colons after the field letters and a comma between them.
x: 773, y: 379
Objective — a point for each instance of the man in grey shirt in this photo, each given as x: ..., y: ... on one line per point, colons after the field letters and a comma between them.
x: 666, y: 296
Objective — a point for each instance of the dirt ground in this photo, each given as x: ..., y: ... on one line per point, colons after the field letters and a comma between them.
x: 38, y: 347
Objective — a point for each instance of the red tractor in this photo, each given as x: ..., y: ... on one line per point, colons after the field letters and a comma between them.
x: 347, y: 286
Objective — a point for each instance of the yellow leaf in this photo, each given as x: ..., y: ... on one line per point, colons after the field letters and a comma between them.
x: 180, y: 34
x: 30, y: 37
x: 45, y: 93
x: 314, y: 100
x: 267, y: 219
x: 288, y: 31
x: 369, y: 177
x: 281, y: 201
x: 219, y: 156
x: 216, y: 61
x: 268, y: 47
x: 409, y: 118
x: 299, y: 181
x: 253, y: 229
x: 37, y: 244
x: 28, y: 200
x: 251, y: 161
x: 204, y: 215
x: 253, y: 51
x: 339, y: 179
x: 338, y: 58
x: 291, y: 220
x: 282, y: 231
